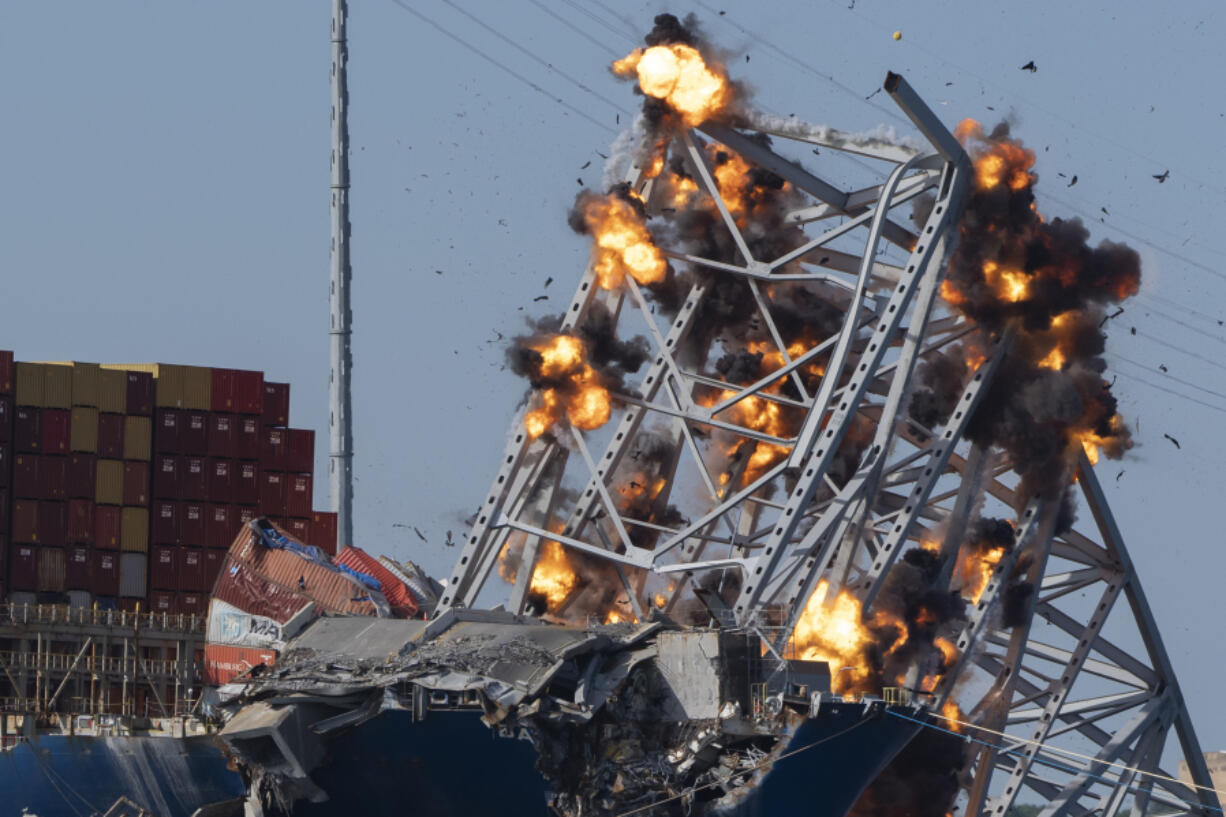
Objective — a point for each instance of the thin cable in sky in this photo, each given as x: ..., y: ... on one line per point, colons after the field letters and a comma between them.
x: 601, y: 45
x: 1183, y: 324
x: 601, y: 21
x: 1181, y: 350
x: 527, y: 53
x: 1172, y: 392
x: 461, y: 41
x: 1168, y: 376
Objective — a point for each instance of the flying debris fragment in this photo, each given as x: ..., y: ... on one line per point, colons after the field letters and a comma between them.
x: 1030, y: 66
x: 1174, y: 441
x: 1162, y: 177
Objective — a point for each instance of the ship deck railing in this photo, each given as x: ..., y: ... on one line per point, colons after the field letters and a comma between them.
x: 63, y: 615
x: 51, y: 662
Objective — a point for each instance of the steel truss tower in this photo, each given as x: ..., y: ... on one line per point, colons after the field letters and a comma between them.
x: 1076, y: 702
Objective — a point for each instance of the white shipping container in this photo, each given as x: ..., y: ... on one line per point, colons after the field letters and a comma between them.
x: 132, y: 570
x: 80, y: 598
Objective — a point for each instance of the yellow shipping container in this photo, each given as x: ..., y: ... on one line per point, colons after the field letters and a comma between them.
x: 134, y: 530
x: 108, y: 485
x: 83, y: 433
x: 198, y: 388
x: 57, y: 386
x: 112, y: 390
x: 137, y: 438
x: 86, y: 384
x: 169, y: 385
x: 29, y: 384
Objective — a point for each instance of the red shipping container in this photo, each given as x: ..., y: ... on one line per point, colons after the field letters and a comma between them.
x: 300, y: 529
x: 276, y: 404
x: 195, y: 433
x: 162, y: 603
x: 298, y: 495
x: 140, y: 393
x: 191, y: 524
x: 82, y: 476
x: 246, y: 514
x: 166, y: 476
x: 247, y: 438
x: 221, y: 480
x: 23, y: 568
x: 221, y: 435
x: 191, y: 570
x: 249, y: 392
x: 53, y: 477
x: 272, y: 493
x: 212, y: 568
x: 27, y: 430
x: 26, y: 484
x: 163, y: 567
x: 323, y: 531
x: 56, y: 424
x: 53, y: 523
x: 6, y: 464
x: 105, y: 573
x: 79, y: 568
x: 6, y: 372
x: 219, y: 527
x: 106, y: 526
x: 246, y: 483
x: 25, y: 522
x: 165, y: 525
x: 394, y: 590
x: 133, y: 605
x: 136, y: 484
x: 300, y: 450
x: 193, y: 478
x: 274, y: 447
x: 110, y: 436
x: 168, y: 431
x: 193, y: 604
x: 222, y: 395
x: 80, y: 524
x: 6, y: 417
x: 223, y: 663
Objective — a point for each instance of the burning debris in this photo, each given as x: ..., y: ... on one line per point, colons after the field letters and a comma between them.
x: 621, y: 244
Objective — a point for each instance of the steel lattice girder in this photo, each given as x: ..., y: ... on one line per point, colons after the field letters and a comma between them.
x: 900, y: 490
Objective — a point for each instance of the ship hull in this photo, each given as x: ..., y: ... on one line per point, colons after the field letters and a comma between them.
x: 63, y: 776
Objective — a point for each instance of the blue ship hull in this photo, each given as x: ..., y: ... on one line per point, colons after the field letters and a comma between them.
x: 62, y: 776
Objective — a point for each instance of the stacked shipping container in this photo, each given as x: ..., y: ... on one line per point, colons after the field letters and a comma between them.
x: 124, y: 484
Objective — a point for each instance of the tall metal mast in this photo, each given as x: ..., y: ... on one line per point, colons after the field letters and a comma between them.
x: 340, y: 404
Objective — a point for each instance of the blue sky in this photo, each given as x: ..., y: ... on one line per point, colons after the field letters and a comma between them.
x: 165, y: 197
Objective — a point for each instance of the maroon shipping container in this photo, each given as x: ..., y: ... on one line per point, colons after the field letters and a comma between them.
x: 26, y: 484
x: 272, y: 493
x: 168, y: 431
x: 193, y: 478
x: 27, y: 431
x: 23, y: 568
x: 166, y: 476
x: 300, y: 450
x: 110, y: 436
x: 221, y: 480
x: 191, y: 524
x: 247, y: 438
x: 53, y: 523
x: 165, y: 522
x: 79, y: 568
x: 212, y: 568
x: 136, y: 483
x: 221, y: 435
x: 80, y: 524
x: 193, y: 604
x: 53, y: 477
x: 323, y: 531
x: 56, y: 424
x: 162, y: 603
x: 106, y: 526
x: 298, y: 495
x: 6, y: 464
x: 245, y: 513
x: 140, y: 393
x: 25, y: 522
x: 105, y: 573
x: 300, y: 529
x: 5, y: 511
x: 222, y: 394
x: 6, y: 417
x: 246, y: 483
x: 163, y: 567
x: 276, y: 404
x: 82, y: 476
x: 220, y: 526
x: 6, y: 372
x: 274, y: 447
x: 249, y: 392
x: 191, y: 570
x: 195, y: 433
